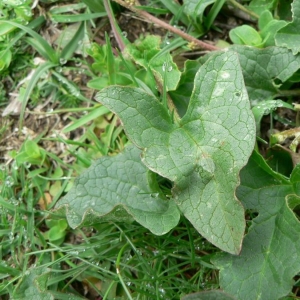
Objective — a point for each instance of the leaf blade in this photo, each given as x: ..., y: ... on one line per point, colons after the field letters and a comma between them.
x: 186, y: 154
x: 119, y: 188
x: 288, y: 36
x: 270, y: 255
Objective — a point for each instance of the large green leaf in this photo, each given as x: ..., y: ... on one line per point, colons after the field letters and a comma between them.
x: 204, y: 153
x: 120, y: 188
x: 34, y: 285
x: 261, y: 67
x: 289, y: 35
x: 270, y: 254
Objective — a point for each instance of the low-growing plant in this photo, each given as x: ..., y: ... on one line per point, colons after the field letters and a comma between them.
x: 191, y: 193
x: 206, y: 152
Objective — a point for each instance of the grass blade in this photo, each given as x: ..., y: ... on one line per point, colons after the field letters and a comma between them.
x: 32, y: 83
x: 97, y: 112
x: 35, y: 23
x: 71, y: 47
x: 51, y: 54
x: 76, y: 18
x: 213, y: 13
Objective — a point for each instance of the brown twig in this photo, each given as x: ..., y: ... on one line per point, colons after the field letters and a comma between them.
x: 114, y: 28
x: 195, y: 42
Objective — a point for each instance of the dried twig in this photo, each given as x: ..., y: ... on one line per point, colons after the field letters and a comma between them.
x: 114, y: 28
x: 193, y: 41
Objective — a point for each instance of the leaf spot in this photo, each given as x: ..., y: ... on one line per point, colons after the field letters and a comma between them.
x: 225, y: 75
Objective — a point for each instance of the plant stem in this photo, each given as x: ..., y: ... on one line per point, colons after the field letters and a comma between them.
x: 119, y: 273
x: 242, y: 8
x: 160, y: 23
x: 112, y: 21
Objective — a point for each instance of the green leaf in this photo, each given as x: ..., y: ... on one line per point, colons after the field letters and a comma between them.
x: 266, y: 107
x: 60, y: 9
x: 295, y: 177
x: 213, y: 13
x: 260, y: 6
x: 176, y: 9
x: 94, y: 114
x: 165, y: 71
x: 95, y: 5
x: 289, y: 35
x: 6, y: 28
x: 98, y: 83
x: 5, y: 59
x: 143, y: 50
x: 41, y: 69
x: 57, y: 232
x: 120, y: 188
x: 245, y: 35
x: 262, y: 66
x: 32, y: 149
x: 270, y: 254
x: 269, y: 27
x: 24, y: 13
x: 204, y: 153
x: 147, y: 53
x: 181, y: 96
x: 40, y: 43
x: 72, y: 45
x: 195, y: 8
x: 262, y: 165
x: 64, y: 18
x: 34, y: 285
x: 264, y: 19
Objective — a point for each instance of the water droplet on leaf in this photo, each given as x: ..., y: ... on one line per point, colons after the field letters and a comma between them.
x: 154, y: 195
x: 27, y: 165
x: 78, y: 63
x: 62, y: 61
x: 9, y: 181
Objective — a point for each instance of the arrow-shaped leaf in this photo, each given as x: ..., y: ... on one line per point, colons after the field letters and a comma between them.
x: 289, y: 35
x: 204, y: 153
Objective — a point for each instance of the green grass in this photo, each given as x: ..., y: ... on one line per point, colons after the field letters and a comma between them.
x: 110, y: 259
